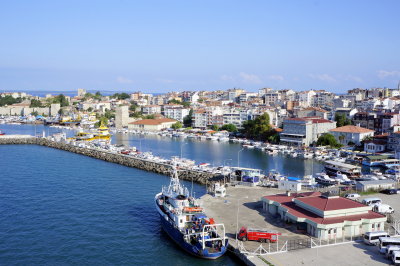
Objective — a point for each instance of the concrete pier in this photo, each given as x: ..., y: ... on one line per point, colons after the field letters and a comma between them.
x: 147, y: 165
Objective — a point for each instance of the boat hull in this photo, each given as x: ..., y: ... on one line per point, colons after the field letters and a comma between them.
x: 177, y: 237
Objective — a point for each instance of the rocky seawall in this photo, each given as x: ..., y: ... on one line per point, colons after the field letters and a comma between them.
x: 147, y: 165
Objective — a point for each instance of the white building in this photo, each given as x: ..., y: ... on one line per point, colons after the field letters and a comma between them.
x: 176, y: 112
x: 351, y: 133
x: 324, y: 216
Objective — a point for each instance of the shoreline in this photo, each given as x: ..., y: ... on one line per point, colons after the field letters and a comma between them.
x: 139, y: 163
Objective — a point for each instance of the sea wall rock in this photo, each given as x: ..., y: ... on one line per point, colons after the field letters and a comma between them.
x: 160, y: 168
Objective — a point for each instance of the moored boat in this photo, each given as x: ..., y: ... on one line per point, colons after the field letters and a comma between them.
x: 183, y: 220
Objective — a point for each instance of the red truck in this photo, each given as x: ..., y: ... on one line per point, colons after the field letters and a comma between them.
x: 261, y: 235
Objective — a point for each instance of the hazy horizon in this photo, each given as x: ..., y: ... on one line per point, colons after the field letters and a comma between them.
x: 208, y: 45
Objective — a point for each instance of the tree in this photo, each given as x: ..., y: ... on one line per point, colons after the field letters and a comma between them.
x: 35, y: 103
x: 109, y: 114
x: 174, y: 101
x: 120, y: 96
x: 90, y: 109
x: 149, y: 116
x: 229, y: 127
x: 328, y: 140
x: 215, y: 127
x: 35, y: 113
x: 133, y: 107
x: 341, y: 138
x: 188, y: 120
x: 102, y: 121
x: 342, y: 120
x: 259, y: 128
x: 8, y: 100
x: 61, y: 99
x: 177, y: 125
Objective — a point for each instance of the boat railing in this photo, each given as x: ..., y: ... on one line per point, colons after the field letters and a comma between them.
x: 213, y: 227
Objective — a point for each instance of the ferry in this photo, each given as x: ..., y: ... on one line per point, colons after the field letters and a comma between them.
x: 101, y: 134
x: 183, y: 220
x: 333, y: 167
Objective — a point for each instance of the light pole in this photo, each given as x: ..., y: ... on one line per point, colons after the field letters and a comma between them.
x: 238, y: 155
x: 182, y: 147
x: 237, y: 217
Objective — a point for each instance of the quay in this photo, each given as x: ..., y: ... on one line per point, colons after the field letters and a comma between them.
x: 139, y: 163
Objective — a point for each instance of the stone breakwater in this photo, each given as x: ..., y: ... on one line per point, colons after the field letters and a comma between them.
x: 147, y: 165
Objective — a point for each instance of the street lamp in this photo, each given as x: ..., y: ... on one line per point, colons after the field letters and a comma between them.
x: 238, y: 155
x: 237, y: 217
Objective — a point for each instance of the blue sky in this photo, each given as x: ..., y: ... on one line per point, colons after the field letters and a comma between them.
x: 158, y: 46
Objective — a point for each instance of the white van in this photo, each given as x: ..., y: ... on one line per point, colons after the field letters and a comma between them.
x: 372, y: 238
x: 384, y: 242
x: 383, y: 208
x: 396, y: 257
x: 390, y: 249
x: 352, y: 196
x: 371, y: 201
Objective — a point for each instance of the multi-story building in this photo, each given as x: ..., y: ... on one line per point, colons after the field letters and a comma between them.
x: 305, y: 98
x: 151, y: 109
x: 312, y: 111
x: 365, y: 120
x: 323, y: 99
x: 176, y: 112
x: 384, y: 122
x: 304, y: 131
x: 272, y: 98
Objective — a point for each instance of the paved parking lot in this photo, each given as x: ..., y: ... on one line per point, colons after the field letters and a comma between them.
x: 242, y: 207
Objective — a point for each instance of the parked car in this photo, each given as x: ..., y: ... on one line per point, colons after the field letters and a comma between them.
x: 383, y: 208
x: 371, y: 201
x: 389, y: 191
x: 352, y: 196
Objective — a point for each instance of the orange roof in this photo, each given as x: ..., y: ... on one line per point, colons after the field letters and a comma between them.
x: 351, y: 129
x: 152, y: 121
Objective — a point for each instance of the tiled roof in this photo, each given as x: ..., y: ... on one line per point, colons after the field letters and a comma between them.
x: 315, y: 198
x: 295, y: 210
x: 330, y: 203
x: 351, y: 129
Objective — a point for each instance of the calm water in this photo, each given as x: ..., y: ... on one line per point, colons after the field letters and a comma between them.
x: 60, y: 208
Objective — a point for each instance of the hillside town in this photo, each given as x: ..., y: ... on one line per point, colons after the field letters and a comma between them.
x: 366, y: 118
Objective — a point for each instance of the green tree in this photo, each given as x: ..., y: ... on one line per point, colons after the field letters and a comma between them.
x: 149, y: 116
x: 229, y: 127
x: 9, y: 100
x: 133, y: 107
x: 90, y: 109
x: 61, y: 99
x: 177, y: 125
x: 328, y: 140
x: 35, y: 113
x: 102, y: 121
x: 259, y: 128
x: 109, y: 114
x: 188, y: 120
x: 98, y: 95
x: 342, y: 120
x: 35, y: 103
x: 215, y: 127
x: 120, y: 96
x: 174, y: 101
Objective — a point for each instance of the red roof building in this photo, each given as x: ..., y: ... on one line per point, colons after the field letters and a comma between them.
x: 324, y: 216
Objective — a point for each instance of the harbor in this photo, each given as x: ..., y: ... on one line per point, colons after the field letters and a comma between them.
x: 243, y: 200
